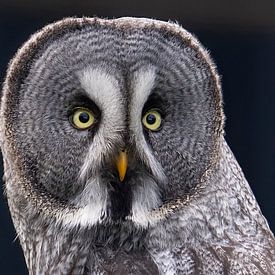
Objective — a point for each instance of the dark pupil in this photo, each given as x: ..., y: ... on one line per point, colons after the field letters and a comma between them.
x: 84, y: 117
x: 151, y: 119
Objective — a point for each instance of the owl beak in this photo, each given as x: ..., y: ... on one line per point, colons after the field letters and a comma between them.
x: 121, y: 163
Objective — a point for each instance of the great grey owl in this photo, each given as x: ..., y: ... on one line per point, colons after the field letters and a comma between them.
x: 115, y: 159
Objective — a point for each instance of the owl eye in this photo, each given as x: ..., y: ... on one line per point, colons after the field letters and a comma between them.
x: 82, y: 118
x: 152, y: 120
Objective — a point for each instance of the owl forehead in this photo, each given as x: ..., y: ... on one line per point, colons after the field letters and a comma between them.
x: 109, y: 64
x: 119, y: 53
x: 129, y: 48
x: 104, y: 89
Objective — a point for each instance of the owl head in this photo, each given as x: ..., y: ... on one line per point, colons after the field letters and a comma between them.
x: 109, y: 121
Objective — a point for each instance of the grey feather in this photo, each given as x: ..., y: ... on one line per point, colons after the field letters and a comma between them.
x: 184, y: 207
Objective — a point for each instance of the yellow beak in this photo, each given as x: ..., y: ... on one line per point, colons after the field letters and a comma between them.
x: 121, y: 163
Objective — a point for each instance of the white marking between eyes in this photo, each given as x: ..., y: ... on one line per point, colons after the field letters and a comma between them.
x: 142, y: 85
x: 104, y: 90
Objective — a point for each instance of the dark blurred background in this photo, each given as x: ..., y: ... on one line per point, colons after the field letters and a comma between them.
x: 241, y: 38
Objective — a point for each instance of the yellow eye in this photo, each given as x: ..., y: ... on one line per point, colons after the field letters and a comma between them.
x: 152, y: 120
x: 83, y: 118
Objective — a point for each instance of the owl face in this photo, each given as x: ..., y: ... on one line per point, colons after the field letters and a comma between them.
x: 112, y: 119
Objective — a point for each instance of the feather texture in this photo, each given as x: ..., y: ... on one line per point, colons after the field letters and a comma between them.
x: 184, y: 206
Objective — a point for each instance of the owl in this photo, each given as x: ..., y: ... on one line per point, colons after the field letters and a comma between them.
x: 114, y: 154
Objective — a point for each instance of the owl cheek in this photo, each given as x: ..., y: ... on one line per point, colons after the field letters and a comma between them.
x: 179, y: 172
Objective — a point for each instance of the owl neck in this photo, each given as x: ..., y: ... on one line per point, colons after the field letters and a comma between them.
x: 113, y: 248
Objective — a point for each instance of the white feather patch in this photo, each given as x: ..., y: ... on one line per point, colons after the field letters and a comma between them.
x: 146, y: 197
x: 104, y: 90
x: 91, y: 204
x: 142, y: 86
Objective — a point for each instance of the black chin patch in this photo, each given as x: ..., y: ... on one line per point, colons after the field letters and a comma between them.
x: 120, y: 197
